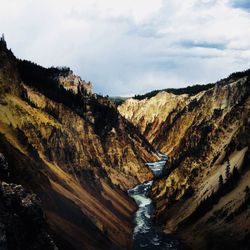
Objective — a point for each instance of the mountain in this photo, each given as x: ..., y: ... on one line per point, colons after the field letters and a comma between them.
x: 203, y: 197
x: 21, y: 217
x: 190, y: 90
x: 118, y: 100
x: 148, y: 115
x: 73, y: 150
x: 68, y: 157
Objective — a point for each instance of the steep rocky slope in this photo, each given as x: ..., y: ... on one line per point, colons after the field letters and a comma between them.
x: 73, y: 150
x: 74, y: 83
x: 22, y: 221
x: 149, y: 114
x: 204, y: 195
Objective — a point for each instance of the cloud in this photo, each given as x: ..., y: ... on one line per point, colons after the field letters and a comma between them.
x: 193, y: 44
x: 243, y: 4
x: 131, y: 46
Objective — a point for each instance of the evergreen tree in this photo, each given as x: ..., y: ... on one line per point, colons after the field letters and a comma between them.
x: 227, y: 172
x: 2, y: 39
x: 220, y: 182
x: 2, y: 42
x: 247, y: 193
x: 172, y: 182
x: 235, y: 175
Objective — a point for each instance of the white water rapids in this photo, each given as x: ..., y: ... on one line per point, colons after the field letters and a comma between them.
x: 146, y: 234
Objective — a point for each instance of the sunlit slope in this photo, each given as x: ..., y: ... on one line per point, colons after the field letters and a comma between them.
x: 78, y: 159
x: 203, y: 195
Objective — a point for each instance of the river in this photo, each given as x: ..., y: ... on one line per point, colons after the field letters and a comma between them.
x: 147, y: 235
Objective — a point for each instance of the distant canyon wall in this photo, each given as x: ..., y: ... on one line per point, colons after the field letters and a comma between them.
x: 203, y: 195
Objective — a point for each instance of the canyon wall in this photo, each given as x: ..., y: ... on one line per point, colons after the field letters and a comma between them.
x: 74, y: 150
x: 204, y: 195
x: 150, y: 113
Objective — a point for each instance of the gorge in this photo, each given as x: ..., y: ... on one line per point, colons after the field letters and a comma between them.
x: 74, y: 151
x: 206, y: 138
x: 76, y: 169
x: 147, y: 234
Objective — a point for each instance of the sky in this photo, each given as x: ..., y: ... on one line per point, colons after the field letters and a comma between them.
x: 127, y: 47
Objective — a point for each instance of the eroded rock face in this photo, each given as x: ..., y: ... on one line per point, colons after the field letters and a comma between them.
x: 22, y: 221
x: 75, y: 83
x: 100, y: 137
x: 149, y: 114
x: 205, y: 137
x: 78, y: 154
x: 8, y: 72
x: 4, y: 167
x: 202, y: 113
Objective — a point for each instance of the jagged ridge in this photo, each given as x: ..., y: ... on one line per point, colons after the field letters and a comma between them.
x: 75, y: 151
x: 205, y: 136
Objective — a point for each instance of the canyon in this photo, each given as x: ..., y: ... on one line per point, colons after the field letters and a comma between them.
x: 203, y: 197
x: 73, y: 150
x: 76, y: 169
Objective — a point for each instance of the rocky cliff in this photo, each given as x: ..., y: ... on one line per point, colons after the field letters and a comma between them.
x: 150, y: 113
x: 204, y: 196
x: 74, y: 150
x: 72, y: 82
x: 22, y: 221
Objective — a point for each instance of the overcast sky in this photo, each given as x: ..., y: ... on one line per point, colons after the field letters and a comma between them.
x: 132, y: 46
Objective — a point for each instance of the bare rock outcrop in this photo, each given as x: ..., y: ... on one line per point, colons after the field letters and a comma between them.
x: 202, y: 197
x: 72, y: 82
x: 22, y: 220
x: 149, y: 114
x: 74, y: 150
